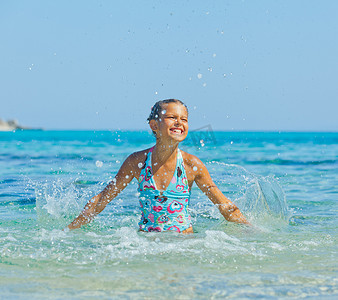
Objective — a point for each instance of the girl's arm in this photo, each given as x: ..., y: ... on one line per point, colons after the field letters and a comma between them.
x: 227, y: 208
x: 97, y: 204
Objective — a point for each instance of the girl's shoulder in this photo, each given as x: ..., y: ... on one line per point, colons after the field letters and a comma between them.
x: 194, y: 166
x: 191, y: 161
x: 138, y: 157
x: 135, y: 162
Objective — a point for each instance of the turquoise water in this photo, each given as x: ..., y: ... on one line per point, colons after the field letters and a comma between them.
x: 285, y: 183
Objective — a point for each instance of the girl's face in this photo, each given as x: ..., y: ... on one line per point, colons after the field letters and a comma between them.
x: 172, y: 123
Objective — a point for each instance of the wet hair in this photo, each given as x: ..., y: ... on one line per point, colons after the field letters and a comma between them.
x: 156, y: 110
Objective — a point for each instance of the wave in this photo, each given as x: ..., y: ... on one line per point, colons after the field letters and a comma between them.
x: 6, y: 199
x: 290, y: 162
x: 62, y: 156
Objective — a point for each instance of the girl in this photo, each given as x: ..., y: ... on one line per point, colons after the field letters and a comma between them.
x: 165, y: 175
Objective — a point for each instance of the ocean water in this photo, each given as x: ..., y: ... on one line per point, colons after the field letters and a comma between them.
x: 285, y: 183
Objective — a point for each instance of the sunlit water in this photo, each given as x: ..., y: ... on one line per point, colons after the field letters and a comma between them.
x: 285, y: 183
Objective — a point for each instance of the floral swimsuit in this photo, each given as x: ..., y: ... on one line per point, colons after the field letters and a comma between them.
x: 167, y: 210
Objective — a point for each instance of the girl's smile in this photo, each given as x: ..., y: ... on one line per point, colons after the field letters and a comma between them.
x: 177, y: 130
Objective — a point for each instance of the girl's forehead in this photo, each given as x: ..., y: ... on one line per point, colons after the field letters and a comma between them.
x: 175, y: 108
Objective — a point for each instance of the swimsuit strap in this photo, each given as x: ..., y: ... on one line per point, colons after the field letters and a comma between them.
x: 148, y: 159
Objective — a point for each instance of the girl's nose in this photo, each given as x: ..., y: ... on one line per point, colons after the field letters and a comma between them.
x: 178, y: 121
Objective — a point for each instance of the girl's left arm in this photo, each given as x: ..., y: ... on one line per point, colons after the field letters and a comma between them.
x: 99, y: 202
x: 226, y: 207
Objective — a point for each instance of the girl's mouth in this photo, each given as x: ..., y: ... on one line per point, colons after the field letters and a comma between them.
x: 176, y: 130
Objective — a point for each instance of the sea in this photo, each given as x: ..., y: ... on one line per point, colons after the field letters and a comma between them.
x: 285, y: 183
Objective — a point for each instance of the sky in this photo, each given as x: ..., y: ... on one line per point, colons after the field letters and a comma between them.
x: 238, y: 65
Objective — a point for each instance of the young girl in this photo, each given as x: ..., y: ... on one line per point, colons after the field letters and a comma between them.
x: 165, y: 175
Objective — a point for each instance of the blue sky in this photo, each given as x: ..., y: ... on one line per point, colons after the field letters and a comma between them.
x: 238, y: 65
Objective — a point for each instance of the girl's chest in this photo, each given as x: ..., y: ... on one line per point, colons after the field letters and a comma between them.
x: 166, y: 178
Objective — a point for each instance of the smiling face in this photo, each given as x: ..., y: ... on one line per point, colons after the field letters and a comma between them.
x: 172, y: 124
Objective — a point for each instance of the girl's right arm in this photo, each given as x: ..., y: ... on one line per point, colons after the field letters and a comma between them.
x: 203, y: 180
x: 127, y: 172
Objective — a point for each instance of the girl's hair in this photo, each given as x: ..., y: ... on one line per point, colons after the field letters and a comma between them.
x: 156, y: 110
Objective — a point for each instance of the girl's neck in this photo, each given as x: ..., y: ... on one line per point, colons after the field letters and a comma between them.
x: 164, y: 152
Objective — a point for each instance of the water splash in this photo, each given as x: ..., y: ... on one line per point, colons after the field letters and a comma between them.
x: 265, y: 197
x: 261, y: 198
x: 59, y: 201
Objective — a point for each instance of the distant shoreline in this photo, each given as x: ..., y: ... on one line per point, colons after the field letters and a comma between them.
x: 12, y: 125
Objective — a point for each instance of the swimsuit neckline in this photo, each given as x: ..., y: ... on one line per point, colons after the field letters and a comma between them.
x: 152, y: 174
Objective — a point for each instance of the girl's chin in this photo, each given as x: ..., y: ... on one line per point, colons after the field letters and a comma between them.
x: 178, y: 137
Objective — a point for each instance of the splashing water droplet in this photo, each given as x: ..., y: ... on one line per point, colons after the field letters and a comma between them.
x: 199, y: 75
x: 99, y: 164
